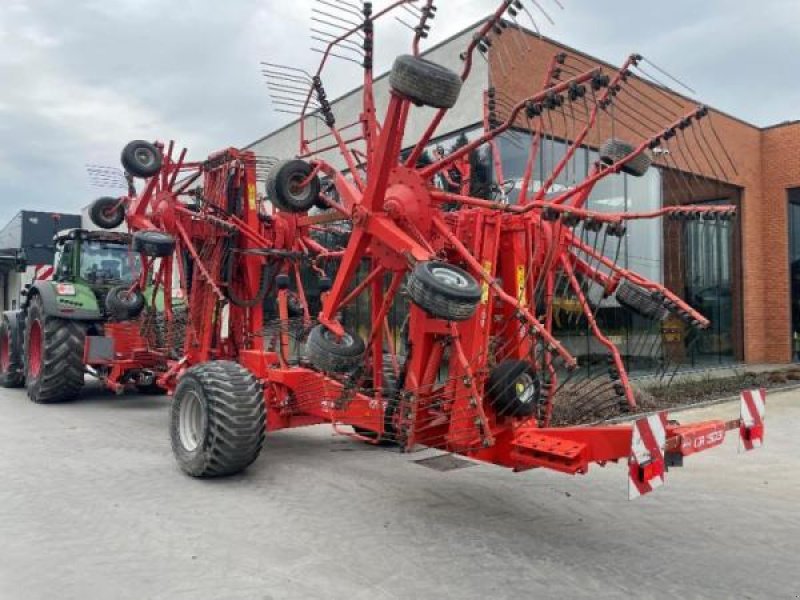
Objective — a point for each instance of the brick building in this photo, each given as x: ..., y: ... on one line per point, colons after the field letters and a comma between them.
x: 741, y: 279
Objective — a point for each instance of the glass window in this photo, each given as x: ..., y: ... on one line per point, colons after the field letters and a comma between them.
x: 107, y: 262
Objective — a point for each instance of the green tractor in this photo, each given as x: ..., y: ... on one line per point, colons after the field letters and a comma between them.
x: 86, y: 319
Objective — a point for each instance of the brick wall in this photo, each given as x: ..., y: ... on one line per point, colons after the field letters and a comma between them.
x: 767, y: 162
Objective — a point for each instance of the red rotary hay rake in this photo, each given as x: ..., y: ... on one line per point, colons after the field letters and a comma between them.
x: 476, y: 367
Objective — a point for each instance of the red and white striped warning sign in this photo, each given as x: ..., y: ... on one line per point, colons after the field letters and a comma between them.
x: 751, y: 431
x: 646, y: 464
x: 43, y: 272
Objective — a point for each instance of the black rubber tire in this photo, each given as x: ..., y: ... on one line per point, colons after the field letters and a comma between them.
x: 107, y: 212
x: 155, y: 244
x: 330, y: 355
x: 124, y: 305
x: 640, y: 301
x: 11, y: 367
x: 141, y: 159
x: 614, y: 151
x: 391, y: 389
x: 514, y: 389
x: 444, y: 291
x: 232, y: 419
x: 151, y: 389
x: 282, y: 189
x: 424, y: 82
x: 61, y: 375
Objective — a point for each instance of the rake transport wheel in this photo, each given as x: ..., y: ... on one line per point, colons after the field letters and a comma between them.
x: 10, y: 357
x: 641, y: 301
x: 285, y: 189
x: 614, y: 151
x: 53, y: 356
x: 425, y: 83
x: 218, y: 419
x: 444, y: 291
x: 514, y: 389
x: 107, y: 212
x: 332, y: 355
x: 141, y: 159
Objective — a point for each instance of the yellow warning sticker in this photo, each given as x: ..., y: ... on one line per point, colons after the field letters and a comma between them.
x: 251, y: 196
x: 522, y: 297
x: 487, y: 266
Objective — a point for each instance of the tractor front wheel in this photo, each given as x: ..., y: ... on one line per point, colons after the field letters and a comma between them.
x: 10, y: 357
x: 53, y: 356
x: 444, y: 291
x: 218, y: 419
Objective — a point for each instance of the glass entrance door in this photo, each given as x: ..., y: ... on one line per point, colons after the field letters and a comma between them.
x: 794, y: 268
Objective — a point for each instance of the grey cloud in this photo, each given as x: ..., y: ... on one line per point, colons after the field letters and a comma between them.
x: 80, y: 78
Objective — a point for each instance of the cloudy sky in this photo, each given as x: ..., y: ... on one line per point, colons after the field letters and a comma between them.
x: 79, y: 78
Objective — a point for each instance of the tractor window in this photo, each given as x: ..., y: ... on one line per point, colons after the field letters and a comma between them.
x: 104, y: 262
x: 63, y: 260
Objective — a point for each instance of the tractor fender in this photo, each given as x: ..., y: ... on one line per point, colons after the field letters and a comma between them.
x: 76, y: 308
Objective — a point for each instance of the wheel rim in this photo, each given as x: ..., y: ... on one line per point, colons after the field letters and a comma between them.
x: 144, y: 157
x: 35, y: 349
x: 295, y: 188
x: 5, y: 358
x: 191, y: 421
x: 345, y: 341
x: 449, y: 277
x: 525, y: 387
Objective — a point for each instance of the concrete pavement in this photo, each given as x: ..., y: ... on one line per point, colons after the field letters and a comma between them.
x: 92, y: 506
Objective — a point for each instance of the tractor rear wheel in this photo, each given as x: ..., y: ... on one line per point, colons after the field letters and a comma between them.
x: 11, y: 367
x: 614, y: 151
x: 514, y: 389
x: 53, y: 356
x: 331, y: 354
x: 444, y: 291
x: 284, y: 187
x: 218, y: 420
x: 424, y: 82
x: 141, y: 159
x: 107, y: 212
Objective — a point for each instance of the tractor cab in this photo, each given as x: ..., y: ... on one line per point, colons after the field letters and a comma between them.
x: 95, y: 258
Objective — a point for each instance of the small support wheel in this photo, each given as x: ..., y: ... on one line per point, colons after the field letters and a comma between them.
x: 331, y: 354
x: 141, y: 159
x: 218, y: 419
x: 424, y: 82
x: 514, y: 389
x: 285, y: 187
x: 107, y: 212
x: 155, y: 244
x: 444, y: 291
x: 614, y: 151
x: 123, y: 304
